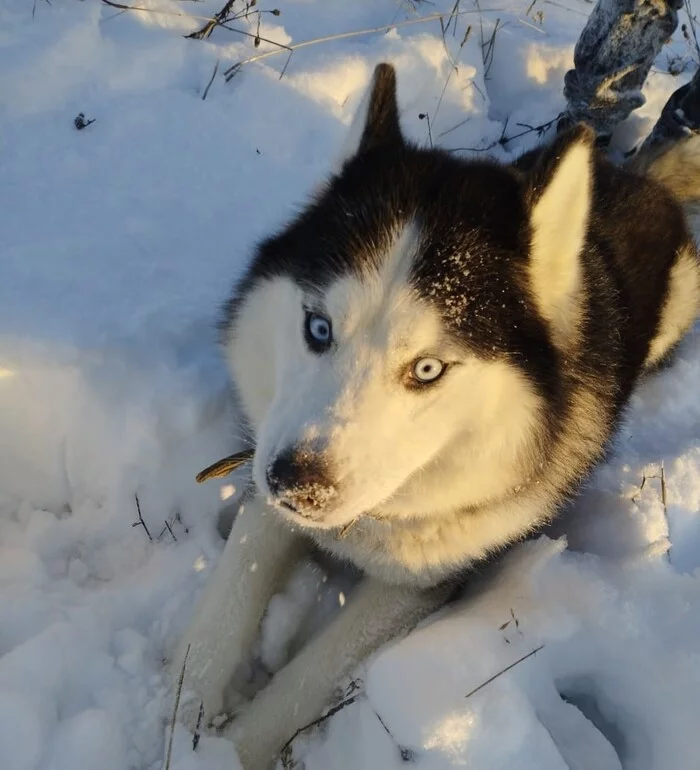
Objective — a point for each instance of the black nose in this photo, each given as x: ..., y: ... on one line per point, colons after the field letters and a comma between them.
x: 300, y: 479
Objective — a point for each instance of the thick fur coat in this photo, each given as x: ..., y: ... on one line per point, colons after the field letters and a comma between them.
x: 431, y: 357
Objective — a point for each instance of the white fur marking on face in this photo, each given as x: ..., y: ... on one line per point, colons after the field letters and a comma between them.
x: 559, y: 222
x: 251, y: 347
x: 353, y: 297
x: 391, y: 446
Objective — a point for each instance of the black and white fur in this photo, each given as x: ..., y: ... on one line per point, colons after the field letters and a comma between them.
x: 431, y: 357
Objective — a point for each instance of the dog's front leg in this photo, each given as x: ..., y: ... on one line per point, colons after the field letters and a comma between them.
x: 257, y: 558
x: 299, y: 692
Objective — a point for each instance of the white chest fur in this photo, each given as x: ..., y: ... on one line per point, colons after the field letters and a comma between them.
x: 423, y: 551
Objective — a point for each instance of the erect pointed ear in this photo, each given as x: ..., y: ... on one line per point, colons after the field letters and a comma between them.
x: 376, y: 122
x: 560, y: 198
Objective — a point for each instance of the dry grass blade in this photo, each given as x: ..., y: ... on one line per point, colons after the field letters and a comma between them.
x: 209, y: 27
x: 211, y: 80
x: 331, y: 712
x: 142, y: 9
x: 503, y: 671
x: 141, y: 522
x: 453, y: 69
x: 232, y: 71
x: 178, y: 693
x: 490, y: 50
x: 225, y: 466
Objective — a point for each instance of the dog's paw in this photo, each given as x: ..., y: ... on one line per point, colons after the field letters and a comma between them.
x: 254, y: 737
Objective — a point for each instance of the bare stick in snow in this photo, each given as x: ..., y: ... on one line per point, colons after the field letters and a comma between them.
x: 422, y: 116
x: 407, y: 754
x: 208, y: 28
x: 211, y: 80
x: 664, y: 502
x: 490, y: 50
x: 167, y: 528
x: 503, y: 140
x: 454, y: 68
x: 232, y: 71
x: 331, y: 712
x: 503, y: 671
x: 141, y: 522
x: 178, y: 693
x: 198, y: 727
x: 142, y: 9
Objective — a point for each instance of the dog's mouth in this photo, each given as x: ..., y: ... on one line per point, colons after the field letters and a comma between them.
x: 336, y: 519
x: 309, y: 516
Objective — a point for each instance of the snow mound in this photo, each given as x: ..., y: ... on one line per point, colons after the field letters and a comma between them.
x: 119, y: 243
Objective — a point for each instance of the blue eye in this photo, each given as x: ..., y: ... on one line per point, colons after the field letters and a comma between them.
x: 318, y: 332
x: 427, y: 370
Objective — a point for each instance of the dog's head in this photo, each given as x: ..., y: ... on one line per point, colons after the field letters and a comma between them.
x: 406, y: 331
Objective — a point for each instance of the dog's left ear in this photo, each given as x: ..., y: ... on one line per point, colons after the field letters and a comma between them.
x: 561, y: 188
x: 376, y: 122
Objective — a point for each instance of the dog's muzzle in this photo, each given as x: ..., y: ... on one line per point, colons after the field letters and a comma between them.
x: 300, y: 481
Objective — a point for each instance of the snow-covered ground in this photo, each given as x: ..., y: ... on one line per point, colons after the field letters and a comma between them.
x: 117, y: 245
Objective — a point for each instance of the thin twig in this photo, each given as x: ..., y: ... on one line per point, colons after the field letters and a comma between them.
x: 332, y: 712
x: 452, y: 17
x: 455, y: 127
x: 211, y: 80
x: 453, y: 68
x: 488, y: 56
x: 503, y: 140
x: 222, y: 18
x: 178, y: 517
x: 286, y: 64
x: 503, y: 671
x: 48, y: 2
x: 664, y: 502
x: 529, y: 24
x: 209, y: 27
x: 407, y: 755
x: 481, y: 27
x: 141, y: 522
x: 231, y: 72
x: 425, y: 116
x: 197, y: 728
x: 122, y: 7
x: 663, y: 486
x: 178, y: 693
x: 169, y: 529
x: 224, y: 25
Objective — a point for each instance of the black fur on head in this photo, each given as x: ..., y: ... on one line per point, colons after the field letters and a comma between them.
x: 474, y: 220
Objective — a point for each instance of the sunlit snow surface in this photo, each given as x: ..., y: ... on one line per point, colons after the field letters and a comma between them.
x: 118, y: 244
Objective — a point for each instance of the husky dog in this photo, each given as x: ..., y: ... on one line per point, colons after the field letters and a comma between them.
x: 431, y: 357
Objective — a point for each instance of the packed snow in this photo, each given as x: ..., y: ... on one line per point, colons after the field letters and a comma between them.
x: 120, y: 241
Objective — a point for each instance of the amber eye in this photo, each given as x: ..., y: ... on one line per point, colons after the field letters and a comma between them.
x: 428, y: 370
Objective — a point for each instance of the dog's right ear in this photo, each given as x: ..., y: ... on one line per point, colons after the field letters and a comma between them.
x: 561, y: 191
x: 376, y: 122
